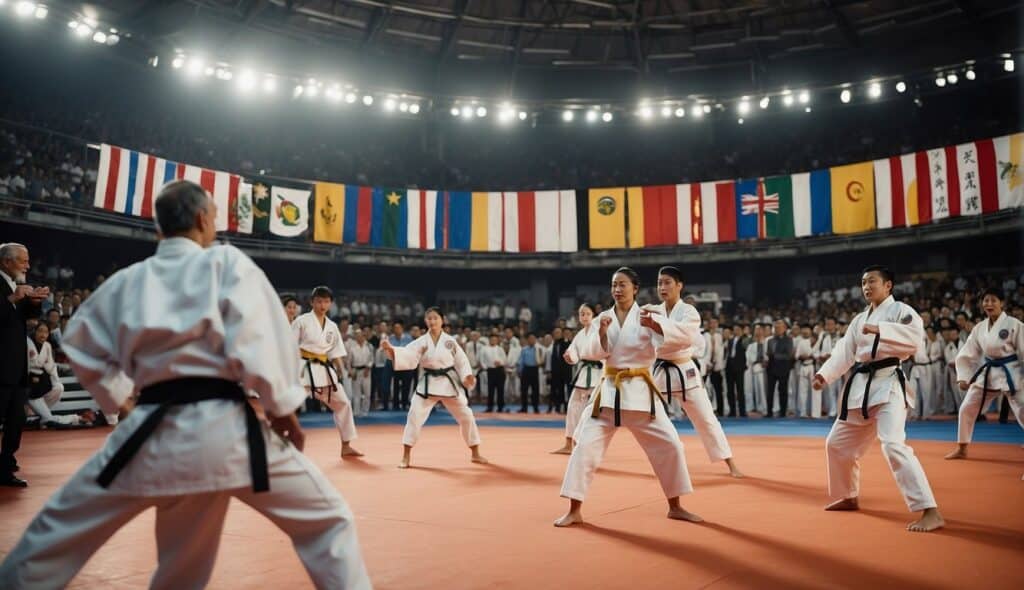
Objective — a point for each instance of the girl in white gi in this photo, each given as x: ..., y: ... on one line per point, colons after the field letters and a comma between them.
x: 322, y: 351
x: 584, y: 380
x: 675, y: 372
x: 988, y: 367
x: 625, y: 340
x: 447, y: 378
x: 45, y: 387
x: 875, y: 399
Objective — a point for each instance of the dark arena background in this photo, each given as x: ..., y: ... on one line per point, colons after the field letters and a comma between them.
x: 499, y: 160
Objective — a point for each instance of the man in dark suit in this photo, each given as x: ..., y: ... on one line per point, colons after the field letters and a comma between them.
x: 19, y: 303
x: 781, y: 356
x: 735, y: 368
x: 561, y: 371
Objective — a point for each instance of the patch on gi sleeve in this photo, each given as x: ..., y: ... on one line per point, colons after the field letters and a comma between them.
x: 907, y: 319
x: 691, y: 373
x: 1004, y: 334
x: 450, y: 345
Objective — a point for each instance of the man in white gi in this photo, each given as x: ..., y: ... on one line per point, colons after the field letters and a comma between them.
x: 808, y: 399
x: 322, y: 351
x: 922, y: 381
x: 875, y: 400
x: 359, y: 363
x: 955, y: 397
x: 822, y: 351
x: 756, y: 358
x: 208, y: 332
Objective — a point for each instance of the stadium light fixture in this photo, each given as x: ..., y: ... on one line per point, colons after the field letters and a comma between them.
x: 740, y: 120
x: 646, y: 112
x: 875, y: 90
x: 195, y: 66
x: 389, y: 104
x: 334, y: 93
x: 765, y: 101
x: 940, y: 81
x: 787, y: 100
x: 99, y: 37
x: 706, y: 108
x: 404, y: 107
x: 246, y: 80
x: 901, y: 87
x: 312, y: 90
x: 466, y: 112
x: 24, y: 9
x: 481, y: 111
x: 414, y: 108
x: 743, y: 107
x: 298, y: 90
x: 176, y: 63
x: 970, y: 75
x: 568, y: 116
x: 804, y: 97
x: 522, y: 115
x: 952, y: 78
x: 83, y: 31
x: 368, y: 99
x: 606, y: 117
x: 455, y: 111
x: 269, y: 85
x: 844, y: 96
x: 42, y: 11
x: 209, y: 71
x: 350, y: 97
x: 113, y: 39
x: 1008, y: 63
x: 666, y: 111
x: 592, y: 116
x: 697, y: 112
x: 807, y: 109
x: 680, y: 112
x: 72, y: 24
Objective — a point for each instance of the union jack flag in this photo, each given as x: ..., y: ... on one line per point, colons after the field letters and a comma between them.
x: 760, y: 205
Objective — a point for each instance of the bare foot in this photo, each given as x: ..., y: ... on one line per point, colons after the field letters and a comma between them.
x: 569, y: 519
x: 479, y: 459
x: 843, y: 505
x: 733, y: 470
x: 347, y: 451
x: 959, y: 453
x: 562, y: 451
x: 930, y: 520
x: 404, y: 464
x: 679, y: 513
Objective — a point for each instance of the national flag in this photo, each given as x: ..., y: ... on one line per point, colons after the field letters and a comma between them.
x: 358, y: 214
x: 812, y: 203
x: 261, y: 207
x: 607, y: 215
x: 718, y: 212
x: 328, y: 212
x: 977, y: 177
x: 459, y: 208
x: 128, y: 181
x: 582, y: 199
x: 568, y: 239
x: 942, y: 180
x: 756, y: 204
x: 1009, y: 156
x: 225, y: 195
x: 853, y: 198
x: 487, y: 228
x: 426, y: 211
x: 242, y: 220
x: 547, y: 210
x: 390, y: 218
x: 895, y: 191
x: 289, y: 211
x: 652, y: 216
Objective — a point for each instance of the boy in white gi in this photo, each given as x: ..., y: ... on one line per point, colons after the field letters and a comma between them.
x: 447, y: 377
x: 359, y: 363
x: 322, y: 351
x: 989, y: 367
x: 628, y: 396
x: 584, y: 378
x: 675, y: 373
x: 192, y: 328
x: 875, y: 400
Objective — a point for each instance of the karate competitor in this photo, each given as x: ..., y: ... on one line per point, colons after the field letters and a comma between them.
x: 989, y: 367
x: 822, y: 351
x: 359, y: 363
x: 292, y: 309
x: 45, y: 387
x: 447, y: 378
x: 935, y: 362
x: 584, y: 379
x: 188, y: 327
x: 322, y: 351
x: 804, y: 375
x: 676, y: 375
x: 922, y: 381
x: 949, y: 352
x: 626, y: 340
x: 875, y: 400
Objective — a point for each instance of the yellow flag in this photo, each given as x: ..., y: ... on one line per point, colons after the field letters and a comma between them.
x: 607, y: 216
x: 329, y: 212
x: 853, y: 198
x: 635, y: 196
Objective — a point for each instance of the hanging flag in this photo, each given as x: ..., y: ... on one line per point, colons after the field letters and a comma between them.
x: 567, y: 222
x: 853, y: 198
x: 942, y: 176
x: 652, y: 216
x: 546, y: 209
x: 718, y: 211
x: 358, y: 214
x: 389, y: 225
x: 757, y: 203
x: 289, y: 211
x: 976, y: 169
x: 607, y: 218
x: 128, y: 181
x: 486, y: 230
x: 812, y: 203
x: 328, y: 212
x: 1009, y: 155
x: 261, y: 208
x: 460, y: 219
x: 582, y: 200
x: 425, y: 213
x: 687, y: 225
x: 241, y: 222
x: 895, y: 191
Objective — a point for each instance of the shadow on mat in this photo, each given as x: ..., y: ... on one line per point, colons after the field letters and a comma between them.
x: 987, y: 535
x: 518, y: 475
x: 359, y: 464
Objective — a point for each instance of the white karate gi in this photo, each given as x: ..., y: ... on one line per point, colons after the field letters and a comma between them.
x: 586, y: 379
x: 445, y: 353
x: 1001, y: 339
x: 756, y: 401
x: 925, y: 381
x: 41, y: 362
x: 954, y: 397
x: 630, y: 346
x: 325, y: 340
x: 695, y: 401
x: 187, y: 312
x: 360, y: 363
x: 512, y: 381
x: 808, y: 399
x: 900, y: 334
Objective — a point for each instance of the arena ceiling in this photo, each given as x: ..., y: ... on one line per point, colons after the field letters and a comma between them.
x: 565, y: 48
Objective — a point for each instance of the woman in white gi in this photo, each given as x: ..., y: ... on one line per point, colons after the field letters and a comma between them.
x: 585, y: 379
x: 676, y: 374
x: 446, y: 377
x: 875, y: 399
x: 988, y: 367
x: 45, y: 387
x: 625, y: 340
x: 322, y: 350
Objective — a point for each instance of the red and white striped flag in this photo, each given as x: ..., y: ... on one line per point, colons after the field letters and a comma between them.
x: 543, y: 221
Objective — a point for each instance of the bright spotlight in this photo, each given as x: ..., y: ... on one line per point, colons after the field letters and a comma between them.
x: 901, y: 87
x: 269, y: 85
x: 312, y: 91
x: 467, y: 112
x: 646, y: 112
x: 765, y: 102
x: 455, y: 111
x: 940, y: 81
x: 481, y: 111
x: 1008, y: 65
x: 99, y: 37
x: 404, y: 107
x: 804, y: 97
x: 350, y: 97
x: 298, y: 90
x: 707, y: 108
x: 90, y: 21
x: 969, y: 74
x: 522, y: 115
x: 367, y: 99
x: 209, y: 71
x: 787, y: 100
x: 697, y: 111
x: 591, y: 116
x: 113, y: 39
x: 414, y: 108
x: 177, y: 62
x: 666, y: 111
x: 195, y: 66
x: 568, y: 116
x: 744, y: 107
x: 680, y: 112
x: 41, y: 12
x: 606, y: 117
x: 807, y: 109
x: 334, y: 93
x: 844, y: 96
x: 389, y: 104
x: 73, y: 25
x: 24, y: 8
x: 246, y: 80
x: 506, y: 115
x: 740, y: 120
x: 875, y: 90
x: 952, y: 78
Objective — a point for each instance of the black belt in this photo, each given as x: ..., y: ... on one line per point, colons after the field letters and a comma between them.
x: 870, y: 368
x: 989, y: 363
x: 445, y: 372
x: 332, y: 387
x: 191, y: 390
x: 361, y: 368
x: 666, y: 365
x: 587, y: 366
x: 806, y: 363
x: 928, y: 364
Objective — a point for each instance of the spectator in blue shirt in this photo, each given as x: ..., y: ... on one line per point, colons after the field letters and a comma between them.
x: 529, y: 367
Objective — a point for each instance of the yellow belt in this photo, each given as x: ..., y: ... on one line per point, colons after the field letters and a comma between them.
x: 618, y: 374
x: 312, y: 356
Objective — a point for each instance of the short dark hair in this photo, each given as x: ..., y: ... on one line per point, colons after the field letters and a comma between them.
x: 586, y: 305
x: 322, y: 291
x: 432, y: 308
x: 884, y: 271
x: 671, y: 271
x: 630, y: 273
x: 993, y: 292
x: 177, y: 205
x: 289, y: 299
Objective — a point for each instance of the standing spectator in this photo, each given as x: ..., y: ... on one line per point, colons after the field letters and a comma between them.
x: 561, y: 371
x: 735, y: 369
x: 402, y: 380
x: 716, y: 363
x: 531, y: 359
x: 781, y: 355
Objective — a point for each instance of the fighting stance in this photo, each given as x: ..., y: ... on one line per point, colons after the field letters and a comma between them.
x: 322, y: 351
x: 189, y: 329
x: 988, y: 367
x: 875, y: 400
x: 583, y: 381
x: 676, y: 374
x: 447, y: 378
x: 626, y: 339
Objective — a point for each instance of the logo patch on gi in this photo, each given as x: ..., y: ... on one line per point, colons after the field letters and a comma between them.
x: 330, y: 337
x: 1004, y: 334
x: 450, y: 346
x: 691, y: 372
x: 907, y: 319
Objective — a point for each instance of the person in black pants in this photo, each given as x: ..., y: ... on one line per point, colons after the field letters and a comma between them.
x: 561, y: 371
x: 529, y: 375
x: 781, y: 356
x: 492, y: 358
x: 18, y: 303
x: 735, y: 368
